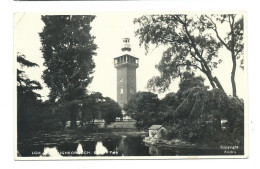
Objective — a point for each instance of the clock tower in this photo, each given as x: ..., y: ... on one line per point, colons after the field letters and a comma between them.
x: 126, y: 65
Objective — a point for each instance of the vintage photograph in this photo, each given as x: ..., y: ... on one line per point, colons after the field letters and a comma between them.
x: 130, y: 85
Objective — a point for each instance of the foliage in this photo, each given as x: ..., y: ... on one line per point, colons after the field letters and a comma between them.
x: 189, y: 47
x: 145, y: 108
x: 28, y: 101
x: 91, y: 107
x: 171, y: 100
x: 189, y: 80
x: 25, y: 86
x: 194, y: 113
x: 176, y: 102
x: 68, y: 48
x: 203, y: 110
x: 235, y: 116
x: 234, y: 37
x: 163, y: 133
x: 110, y: 110
x: 233, y: 41
x: 95, y: 106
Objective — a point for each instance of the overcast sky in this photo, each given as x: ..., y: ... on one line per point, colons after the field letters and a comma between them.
x: 109, y: 29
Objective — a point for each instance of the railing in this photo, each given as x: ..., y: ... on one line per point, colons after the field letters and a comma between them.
x: 121, y: 63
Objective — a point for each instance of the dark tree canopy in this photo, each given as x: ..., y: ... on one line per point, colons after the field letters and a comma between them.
x: 95, y: 106
x: 68, y: 48
x: 28, y: 100
x: 195, y: 113
x: 187, y: 83
x: 189, y: 80
x: 190, y: 47
x: 91, y: 105
x: 177, y: 102
x: 25, y: 86
x: 145, y: 108
x: 110, y: 110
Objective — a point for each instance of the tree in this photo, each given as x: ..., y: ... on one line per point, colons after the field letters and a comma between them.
x: 95, y: 106
x: 175, y: 103
x: 91, y: 107
x: 199, y: 112
x: 190, y: 47
x: 68, y: 48
x: 171, y: 100
x: 233, y: 41
x: 24, y: 84
x: 27, y: 100
x: 189, y: 80
x: 179, y: 103
x: 110, y: 110
x: 145, y: 108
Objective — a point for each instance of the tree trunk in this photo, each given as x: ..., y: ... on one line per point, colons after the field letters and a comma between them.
x: 232, y: 50
x: 234, y: 61
x: 233, y: 74
x: 218, y: 83
x: 214, y: 81
x: 211, y: 81
x: 73, y: 117
x: 73, y: 124
x: 206, y: 68
x: 93, y: 121
x: 63, y: 125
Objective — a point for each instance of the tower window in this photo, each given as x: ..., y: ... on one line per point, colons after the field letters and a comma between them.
x: 121, y: 90
x: 132, y: 89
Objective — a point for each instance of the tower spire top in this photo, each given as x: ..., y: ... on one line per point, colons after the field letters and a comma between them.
x: 126, y: 45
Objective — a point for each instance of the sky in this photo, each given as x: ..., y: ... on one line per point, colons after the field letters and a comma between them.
x: 109, y: 29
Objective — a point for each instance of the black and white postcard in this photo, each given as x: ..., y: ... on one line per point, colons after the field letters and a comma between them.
x: 130, y: 85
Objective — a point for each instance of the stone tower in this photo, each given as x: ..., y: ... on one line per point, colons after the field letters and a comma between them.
x: 126, y: 73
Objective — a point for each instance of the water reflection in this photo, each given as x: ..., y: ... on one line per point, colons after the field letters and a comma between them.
x: 107, y: 146
x: 67, y: 149
x: 79, y: 149
x: 50, y: 152
x: 89, y: 147
x: 154, y: 151
x: 133, y: 146
x: 100, y: 149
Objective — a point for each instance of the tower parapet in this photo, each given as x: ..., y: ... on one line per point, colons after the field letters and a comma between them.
x: 126, y: 60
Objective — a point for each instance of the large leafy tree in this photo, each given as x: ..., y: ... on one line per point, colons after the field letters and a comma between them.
x: 145, y: 108
x: 95, y: 106
x: 28, y: 100
x: 110, y: 110
x: 189, y: 47
x: 198, y: 111
x: 189, y: 80
x: 175, y: 102
x: 232, y: 41
x: 204, y: 110
x: 91, y: 106
x: 68, y: 48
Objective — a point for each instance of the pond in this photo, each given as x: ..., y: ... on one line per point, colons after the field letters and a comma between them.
x: 112, y: 145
